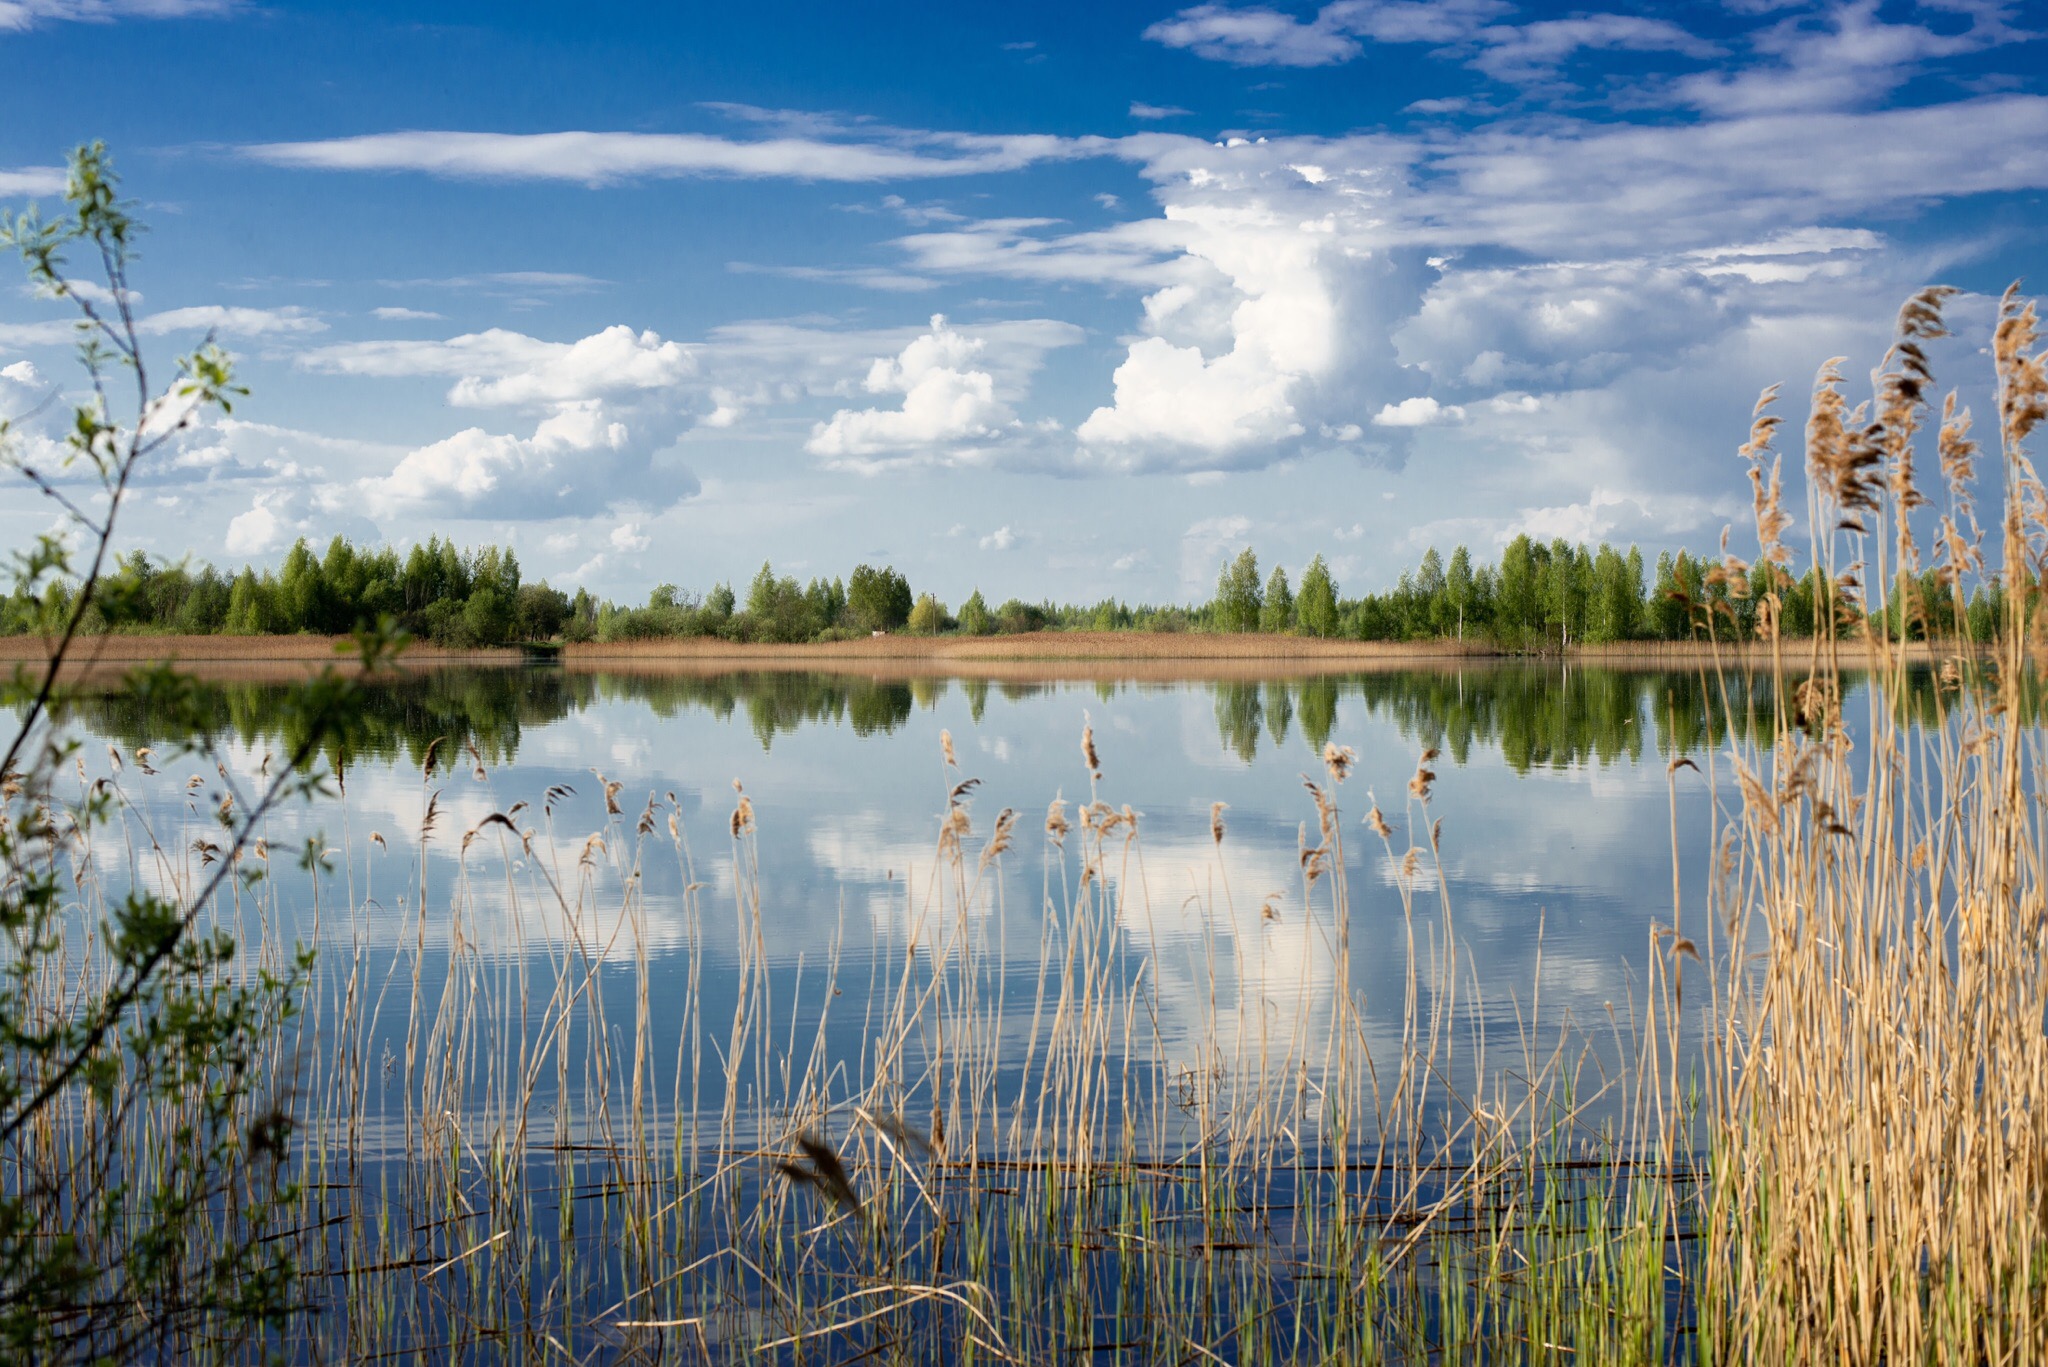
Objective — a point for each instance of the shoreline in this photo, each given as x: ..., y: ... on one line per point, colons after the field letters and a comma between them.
x: 1082, y: 656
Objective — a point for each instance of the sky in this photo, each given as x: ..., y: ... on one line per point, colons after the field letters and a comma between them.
x: 1066, y: 301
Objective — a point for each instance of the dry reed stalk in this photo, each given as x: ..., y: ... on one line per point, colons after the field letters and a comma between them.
x: 1879, y: 1077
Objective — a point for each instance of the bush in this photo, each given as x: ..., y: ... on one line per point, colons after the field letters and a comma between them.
x: 1016, y: 617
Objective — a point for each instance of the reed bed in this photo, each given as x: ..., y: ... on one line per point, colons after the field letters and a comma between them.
x: 1879, y: 1071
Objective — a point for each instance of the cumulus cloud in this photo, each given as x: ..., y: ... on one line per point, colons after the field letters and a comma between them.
x: 1276, y: 320
x: 1555, y: 326
x: 612, y: 361
x: 1420, y: 411
x: 608, y: 406
x: 275, y: 518
x: 502, y: 368
x: 17, y: 381
x: 255, y: 531
x: 1001, y: 539
x: 579, y: 461
x: 947, y: 402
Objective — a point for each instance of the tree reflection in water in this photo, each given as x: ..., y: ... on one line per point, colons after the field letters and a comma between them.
x: 1536, y: 716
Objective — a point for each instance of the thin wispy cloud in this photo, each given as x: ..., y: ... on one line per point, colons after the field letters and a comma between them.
x: 598, y: 158
x: 24, y: 14
x: 32, y: 180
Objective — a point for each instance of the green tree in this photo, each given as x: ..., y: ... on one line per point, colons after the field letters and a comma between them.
x: 1238, y: 597
x: 826, y: 601
x: 927, y: 616
x: 1611, y: 616
x: 1276, y: 614
x: 1435, y: 611
x: 1458, y: 590
x: 1316, y: 607
x: 1518, y: 608
x: 302, y: 598
x: 974, y: 616
x: 878, y: 599
x: 248, y: 611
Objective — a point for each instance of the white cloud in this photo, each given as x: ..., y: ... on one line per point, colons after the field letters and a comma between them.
x: 1153, y: 112
x: 627, y: 536
x: 949, y: 405
x: 254, y: 532
x: 1138, y: 253
x: 392, y: 313
x: 1557, y: 326
x: 1842, y: 57
x: 1275, y: 319
x: 580, y: 460
x: 1533, y: 52
x: 608, y: 406
x: 1419, y: 411
x: 598, y: 158
x: 278, y: 516
x: 499, y: 367
x: 862, y: 277
x: 232, y: 321
x: 30, y: 180
x: 23, y: 14
x: 225, y: 320
x: 1001, y: 539
x: 612, y: 361
x: 508, y: 283
x: 1255, y: 37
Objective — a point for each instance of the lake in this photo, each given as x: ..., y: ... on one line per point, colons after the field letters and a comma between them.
x: 1552, y: 790
x: 601, y: 954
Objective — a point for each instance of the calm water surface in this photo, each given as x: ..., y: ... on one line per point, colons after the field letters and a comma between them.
x: 1551, y: 787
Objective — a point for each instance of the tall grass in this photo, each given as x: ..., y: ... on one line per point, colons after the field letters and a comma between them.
x: 1879, y: 1075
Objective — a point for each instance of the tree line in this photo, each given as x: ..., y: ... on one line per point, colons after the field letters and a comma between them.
x: 1538, y: 594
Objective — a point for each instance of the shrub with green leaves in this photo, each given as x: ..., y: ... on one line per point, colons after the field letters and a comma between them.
x: 145, y: 1112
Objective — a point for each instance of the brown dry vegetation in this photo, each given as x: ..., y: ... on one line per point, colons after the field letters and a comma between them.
x: 1078, y: 655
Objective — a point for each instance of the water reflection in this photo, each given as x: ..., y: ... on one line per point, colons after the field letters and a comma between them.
x: 1556, y: 854
x: 1535, y: 716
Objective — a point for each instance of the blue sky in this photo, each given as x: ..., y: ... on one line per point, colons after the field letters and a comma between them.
x: 1067, y: 300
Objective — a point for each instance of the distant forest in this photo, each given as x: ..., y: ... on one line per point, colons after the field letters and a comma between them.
x: 1538, y: 595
